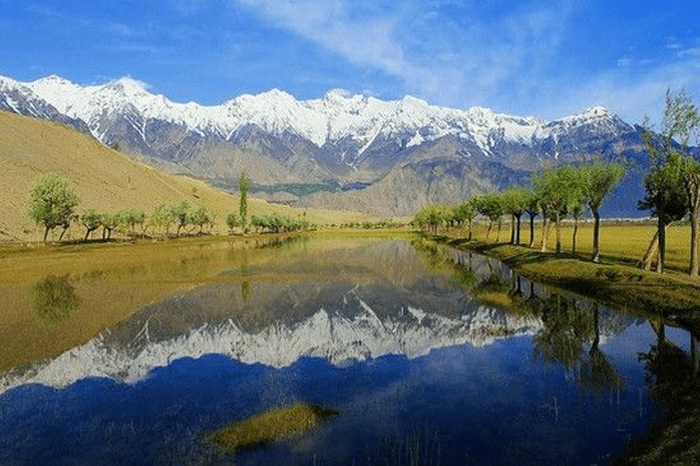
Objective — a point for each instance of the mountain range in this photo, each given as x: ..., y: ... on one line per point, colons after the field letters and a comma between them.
x: 348, y: 152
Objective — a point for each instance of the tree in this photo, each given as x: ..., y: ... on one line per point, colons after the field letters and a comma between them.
x: 599, y: 179
x: 232, y: 221
x: 180, y: 214
x: 576, y: 213
x: 491, y: 206
x: 680, y: 122
x: 515, y: 201
x: 558, y: 190
x: 465, y: 212
x: 243, y: 187
x: 691, y: 182
x: 666, y: 198
x: 431, y: 217
x: 200, y: 217
x: 163, y: 217
x: 91, y: 220
x: 532, y: 207
x: 109, y: 223
x: 131, y: 217
x: 51, y: 201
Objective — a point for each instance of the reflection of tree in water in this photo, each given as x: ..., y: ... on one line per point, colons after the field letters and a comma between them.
x: 565, y: 331
x: 570, y: 334
x: 597, y: 373
x: 245, y: 272
x: 55, y: 300
x: 494, y: 290
x: 672, y: 377
x: 667, y: 366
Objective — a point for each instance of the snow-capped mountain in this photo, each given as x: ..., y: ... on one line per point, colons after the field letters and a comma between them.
x: 340, y: 140
x: 16, y: 97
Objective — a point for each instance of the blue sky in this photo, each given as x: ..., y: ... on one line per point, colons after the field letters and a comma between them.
x: 541, y: 58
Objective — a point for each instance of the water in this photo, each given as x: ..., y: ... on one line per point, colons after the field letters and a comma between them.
x: 428, y: 358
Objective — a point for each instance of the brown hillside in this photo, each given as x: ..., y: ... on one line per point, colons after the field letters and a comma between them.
x: 104, y: 179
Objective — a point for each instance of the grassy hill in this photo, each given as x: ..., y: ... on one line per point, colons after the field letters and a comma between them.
x: 104, y: 179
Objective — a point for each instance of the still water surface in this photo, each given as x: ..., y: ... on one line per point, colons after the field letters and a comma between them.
x: 428, y: 357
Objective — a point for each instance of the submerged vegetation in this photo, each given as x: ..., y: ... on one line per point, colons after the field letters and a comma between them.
x: 275, y: 424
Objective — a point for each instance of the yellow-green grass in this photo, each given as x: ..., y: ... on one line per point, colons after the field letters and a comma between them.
x: 622, y: 242
x: 672, y: 296
x: 106, y: 180
x: 272, y: 425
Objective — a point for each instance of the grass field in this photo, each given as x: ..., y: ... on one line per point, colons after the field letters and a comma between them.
x: 621, y: 242
x: 673, y: 296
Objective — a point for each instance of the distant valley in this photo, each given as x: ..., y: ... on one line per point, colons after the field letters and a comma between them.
x: 337, y: 152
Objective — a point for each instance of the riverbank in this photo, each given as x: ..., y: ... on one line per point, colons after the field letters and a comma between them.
x: 674, y: 297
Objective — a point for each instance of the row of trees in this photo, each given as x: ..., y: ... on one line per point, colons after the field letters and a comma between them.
x: 672, y: 191
x: 276, y: 222
x: 554, y: 194
x: 126, y: 219
x: 183, y: 216
x: 52, y: 202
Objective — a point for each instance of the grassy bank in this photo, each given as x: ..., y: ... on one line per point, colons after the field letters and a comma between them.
x: 621, y: 241
x: 616, y: 282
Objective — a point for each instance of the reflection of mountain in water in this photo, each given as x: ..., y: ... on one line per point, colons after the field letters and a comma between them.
x: 342, y: 305
x: 353, y: 332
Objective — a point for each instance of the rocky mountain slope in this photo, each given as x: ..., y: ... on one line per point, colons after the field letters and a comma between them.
x: 340, y: 151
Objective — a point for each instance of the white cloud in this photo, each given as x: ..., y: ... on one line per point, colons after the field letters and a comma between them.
x: 331, y: 24
x: 631, y: 99
x: 693, y: 52
x: 447, y: 62
x: 506, y: 61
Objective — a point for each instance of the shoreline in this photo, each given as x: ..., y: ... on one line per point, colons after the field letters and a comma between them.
x: 622, y: 286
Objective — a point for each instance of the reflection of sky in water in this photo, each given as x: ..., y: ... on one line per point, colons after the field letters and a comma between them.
x: 458, y: 404
x: 492, y: 405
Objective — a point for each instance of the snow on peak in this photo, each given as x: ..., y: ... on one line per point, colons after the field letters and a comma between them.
x: 9, y: 83
x: 128, y: 85
x: 410, y: 100
x: 338, y: 93
x: 53, y: 80
x: 338, y: 114
x: 587, y: 116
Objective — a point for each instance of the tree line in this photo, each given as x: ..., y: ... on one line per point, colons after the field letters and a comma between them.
x: 53, y: 203
x: 672, y: 191
x: 554, y: 194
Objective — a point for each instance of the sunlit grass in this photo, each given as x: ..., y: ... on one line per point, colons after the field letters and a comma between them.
x: 615, y: 282
x: 272, y: 425
x: 621, y: 241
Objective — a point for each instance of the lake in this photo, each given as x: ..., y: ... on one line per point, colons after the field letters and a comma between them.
x: 426, y: 355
